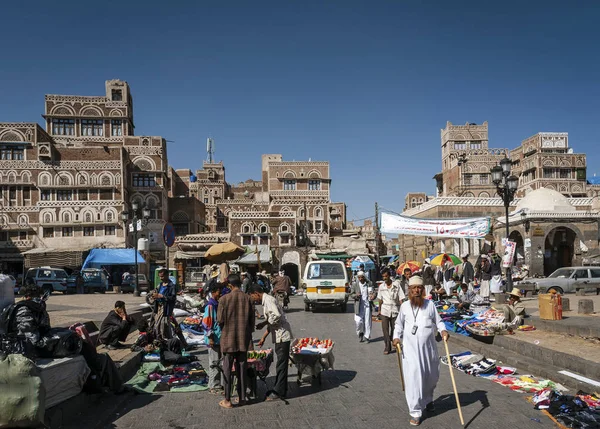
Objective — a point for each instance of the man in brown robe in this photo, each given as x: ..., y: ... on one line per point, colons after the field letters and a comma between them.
x: 236, y: 318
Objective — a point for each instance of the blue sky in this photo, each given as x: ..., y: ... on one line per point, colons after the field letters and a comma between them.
x: 364, y: 85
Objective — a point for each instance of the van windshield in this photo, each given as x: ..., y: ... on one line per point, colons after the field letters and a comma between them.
x: 326, y: 271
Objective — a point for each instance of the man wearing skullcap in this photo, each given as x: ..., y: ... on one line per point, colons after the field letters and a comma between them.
x: 415, y: 328
x: 363, y: 295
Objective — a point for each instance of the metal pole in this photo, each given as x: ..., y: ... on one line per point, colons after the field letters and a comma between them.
x: 377, y: 235
x: 135, y: 231
x: 506, y: 204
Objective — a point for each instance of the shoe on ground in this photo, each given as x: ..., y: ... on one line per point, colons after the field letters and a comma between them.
x: 361, y: 337
x: 367, y: 340
x: 111, y: 347
x: 272, y: 397
x: 430, y: 408
x: 415, y: 421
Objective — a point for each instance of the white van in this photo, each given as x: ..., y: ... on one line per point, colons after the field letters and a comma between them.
x: 326, y: 284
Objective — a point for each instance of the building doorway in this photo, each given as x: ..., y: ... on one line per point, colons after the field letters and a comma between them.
x: 559, y: 249
x: 293, y: 272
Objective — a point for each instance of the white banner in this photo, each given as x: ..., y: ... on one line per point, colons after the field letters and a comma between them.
x: 509, y: 253
x: 467, y: 228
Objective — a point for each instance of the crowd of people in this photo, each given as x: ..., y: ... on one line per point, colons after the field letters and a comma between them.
x: 409, y: 317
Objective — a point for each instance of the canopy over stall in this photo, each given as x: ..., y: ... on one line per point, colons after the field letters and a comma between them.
x: 99, y: 257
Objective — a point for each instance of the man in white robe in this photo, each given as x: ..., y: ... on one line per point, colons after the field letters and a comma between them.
x: 415, y: 328
x: 362, y: 293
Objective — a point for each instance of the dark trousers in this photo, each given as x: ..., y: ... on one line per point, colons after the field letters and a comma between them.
x: 239, y: 360
x: 116, y: 334
x: 387, y: 326
x: 282, y: 351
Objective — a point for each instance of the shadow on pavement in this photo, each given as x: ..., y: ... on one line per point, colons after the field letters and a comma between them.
x: 447, y: 403
x: 329, y: 380
x: 104, y: 411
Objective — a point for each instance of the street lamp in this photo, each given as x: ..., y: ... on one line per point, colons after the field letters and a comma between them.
x: 506, y: 186
x: 137, y: 223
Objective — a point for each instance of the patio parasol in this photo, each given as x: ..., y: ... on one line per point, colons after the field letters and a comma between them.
x: 440, y: 258
x: 224, y: 252
x: 412, y: 265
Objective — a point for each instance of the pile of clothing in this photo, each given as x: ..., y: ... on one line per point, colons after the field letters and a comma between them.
x: 476, y: 365
x: 155, y: 378
x: 526, y: 383
x: 579, y: 411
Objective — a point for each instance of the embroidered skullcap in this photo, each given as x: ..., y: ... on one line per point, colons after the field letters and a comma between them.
x: 360, y: 273
x: 415, y: 281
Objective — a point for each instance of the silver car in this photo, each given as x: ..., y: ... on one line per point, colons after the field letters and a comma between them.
x: 568, y: 279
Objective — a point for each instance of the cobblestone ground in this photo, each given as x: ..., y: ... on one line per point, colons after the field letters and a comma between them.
x: 363, y: 392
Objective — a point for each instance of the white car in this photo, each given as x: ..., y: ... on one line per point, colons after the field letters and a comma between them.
x: 14, y: 284
x: 568, y: 279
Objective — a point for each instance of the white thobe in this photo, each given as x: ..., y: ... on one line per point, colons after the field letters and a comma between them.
x: 420, y: 359
x: 363, y: 319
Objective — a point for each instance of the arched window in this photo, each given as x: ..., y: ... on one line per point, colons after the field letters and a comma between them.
x: 88, y: 218
x: 318, y: 212
x: 109, y: 216
x: 105, y: 180
x: 246, y: 229
x: 67, y: 217
x: 264, y: 229
x: 284, y: 228
x: 47, y: 218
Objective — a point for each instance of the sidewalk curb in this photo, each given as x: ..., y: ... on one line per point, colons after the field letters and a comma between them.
x: 524, y: 365
x: 578, y: 326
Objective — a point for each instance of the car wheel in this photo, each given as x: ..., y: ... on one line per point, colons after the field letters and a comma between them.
x: 306, y: 306
x: 556, y: 289
x: 102, y: 291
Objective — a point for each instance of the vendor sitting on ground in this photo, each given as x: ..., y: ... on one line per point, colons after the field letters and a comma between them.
x: 465, y: 297
x: 438, y: 293
x: 28, y: 317
x: 115, y: 327
x: 514, y: 311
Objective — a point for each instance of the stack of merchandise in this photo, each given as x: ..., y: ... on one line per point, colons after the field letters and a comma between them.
x: 474, y: 364
x: 526, y: 383
x: 260, y: 360
x: 312, y: 346
x: 488, y: 323
x: 191, y: 328
x: 579, y: 411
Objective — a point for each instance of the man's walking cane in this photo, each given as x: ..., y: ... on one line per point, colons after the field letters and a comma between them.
x: 462, y: 422
x: 399, y: 350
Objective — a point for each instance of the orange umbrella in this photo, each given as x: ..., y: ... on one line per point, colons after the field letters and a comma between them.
x: 411, y: 265
x: 224, y: 252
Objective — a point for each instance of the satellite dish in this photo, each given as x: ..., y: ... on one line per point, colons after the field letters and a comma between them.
x: 570, y: 150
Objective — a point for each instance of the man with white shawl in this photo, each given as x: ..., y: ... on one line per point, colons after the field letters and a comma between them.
x: 363, y: 295
x: 416, y: 327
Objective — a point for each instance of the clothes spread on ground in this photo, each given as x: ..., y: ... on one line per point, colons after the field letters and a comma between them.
x: 579, y: 411
x: 154, y: 377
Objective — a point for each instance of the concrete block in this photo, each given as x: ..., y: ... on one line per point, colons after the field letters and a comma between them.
x: 586, y: 306
x: 580, y: 292
x: 566, y: 304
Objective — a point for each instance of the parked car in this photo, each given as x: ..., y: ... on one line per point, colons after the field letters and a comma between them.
x: 326, y: 284
x: 195, y: 279
x: 567, y: 279
x: 48, y: 278
x: 128, y: 284
x: 72, y: 281
x: 94, y: 280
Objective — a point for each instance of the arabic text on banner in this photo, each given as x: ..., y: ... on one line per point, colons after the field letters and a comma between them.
x: 459, y: 228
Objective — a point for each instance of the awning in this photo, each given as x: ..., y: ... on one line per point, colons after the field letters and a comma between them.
x: 180, y: 254
x: 50, y: 257
x: 11, y: 257
x: 98, y: 257
x: 251, y: 257
x: 333, y: 256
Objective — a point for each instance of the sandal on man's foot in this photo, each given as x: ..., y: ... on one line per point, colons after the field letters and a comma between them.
x: 225, y: 404
x: 415, y: 421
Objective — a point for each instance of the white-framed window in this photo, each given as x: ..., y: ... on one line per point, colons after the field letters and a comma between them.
x: 116, y: 127
x: 318, y: 226
x: 88, y: 231
x: 476, y: 144
x: 63, y: 127
x: 247, y: 240
x: 460, y: 145
x: 67, y: 231
x: 92, y: 127
x: 289, y: 185
x: 314, y: 185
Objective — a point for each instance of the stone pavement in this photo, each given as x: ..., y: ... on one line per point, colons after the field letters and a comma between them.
x: 363, y: 392
x: 64, y: 310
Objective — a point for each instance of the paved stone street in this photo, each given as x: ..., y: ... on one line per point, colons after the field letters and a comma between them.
x: 362, y: 392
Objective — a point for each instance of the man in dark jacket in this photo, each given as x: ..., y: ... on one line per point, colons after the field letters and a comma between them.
x: 165, y: 294
x: 468, y: 273
x: 428, y: 277
x: 28, y: 318
x: 115, y: 327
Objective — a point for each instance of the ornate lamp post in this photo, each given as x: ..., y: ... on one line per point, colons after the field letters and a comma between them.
x: 506, y: 186
x: 137, y: 223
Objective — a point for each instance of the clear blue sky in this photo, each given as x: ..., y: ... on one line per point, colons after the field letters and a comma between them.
x: 364, y: 85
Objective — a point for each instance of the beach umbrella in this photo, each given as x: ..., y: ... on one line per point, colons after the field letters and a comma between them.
x: 223, y: 252
x: 440, y: 258
x: 412, y: 265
